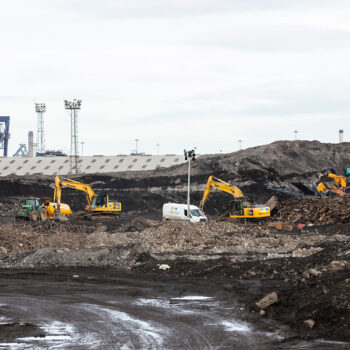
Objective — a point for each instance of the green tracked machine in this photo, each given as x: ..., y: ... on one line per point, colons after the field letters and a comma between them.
x: 32, y: 210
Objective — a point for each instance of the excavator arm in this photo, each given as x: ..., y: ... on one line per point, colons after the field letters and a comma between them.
x: 89, y: 192
x: 222, y: 186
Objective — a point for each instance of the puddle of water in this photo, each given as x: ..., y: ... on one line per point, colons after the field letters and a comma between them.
x: 235, y: 326
x: 193, y: 298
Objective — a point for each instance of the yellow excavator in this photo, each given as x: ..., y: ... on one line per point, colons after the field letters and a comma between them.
x: 98, y: 205
x: 331, y: 184
x: 241, y: 208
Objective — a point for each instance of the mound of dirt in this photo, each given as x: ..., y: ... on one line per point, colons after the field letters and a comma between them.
x: 324, y: 299
x: 281, y: 158
x: 121, y: 258
x: 139, y: 224
x: 315, y: 211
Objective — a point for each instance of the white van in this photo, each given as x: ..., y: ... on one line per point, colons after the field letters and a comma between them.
x: 175, y: 211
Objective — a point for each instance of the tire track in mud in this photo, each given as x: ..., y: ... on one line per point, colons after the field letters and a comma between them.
x: 132, y: 313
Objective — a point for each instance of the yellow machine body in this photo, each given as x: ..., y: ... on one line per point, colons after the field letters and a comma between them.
x: 51, y: 209
x: 336, y: 184
x: 241, y: 208
x: 97, y: 204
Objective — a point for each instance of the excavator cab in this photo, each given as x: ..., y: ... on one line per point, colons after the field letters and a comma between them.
x: 237, y: 207
x: 100, y: 201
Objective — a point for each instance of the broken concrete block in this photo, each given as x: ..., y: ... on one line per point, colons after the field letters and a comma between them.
x: 267, y: 300
x: 314, y: 272
x: 164, y: 267
x: 337, y: 265
x: 309, y: 323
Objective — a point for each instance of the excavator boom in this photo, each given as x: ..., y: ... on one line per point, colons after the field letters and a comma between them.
x: 89, y: 192
x: 213, y: 182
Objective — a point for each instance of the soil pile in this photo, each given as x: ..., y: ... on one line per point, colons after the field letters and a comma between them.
x: 121, y: 258
x: 281, y: 158
x: 21, y: 237
x: 315, y: 211
x: 322, y: 298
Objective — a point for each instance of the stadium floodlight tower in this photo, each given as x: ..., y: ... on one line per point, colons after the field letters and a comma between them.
x: 40, y: 109
x: 73, y: 106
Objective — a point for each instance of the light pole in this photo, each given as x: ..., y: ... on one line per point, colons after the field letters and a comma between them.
x: 73, y: 107
x: 188, y: 156
x: 295, y: 134
x: 157, y: 149
x: 240, y: 144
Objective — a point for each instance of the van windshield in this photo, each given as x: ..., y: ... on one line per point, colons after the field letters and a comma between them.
x: 196, y: 212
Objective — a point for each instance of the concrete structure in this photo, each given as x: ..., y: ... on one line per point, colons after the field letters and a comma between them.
x: 30, y: 144
x: 87, y: 165
x: 341, y: 136
x: 4, y: 134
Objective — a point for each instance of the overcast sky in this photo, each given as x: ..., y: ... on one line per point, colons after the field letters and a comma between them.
x: 180, y: 73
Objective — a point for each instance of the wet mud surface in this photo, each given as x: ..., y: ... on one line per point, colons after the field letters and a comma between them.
x: 101, y: 310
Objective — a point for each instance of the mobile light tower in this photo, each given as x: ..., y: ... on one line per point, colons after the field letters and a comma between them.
x: 295, y: 134
x: 73, y: 107
x: 240, y: 144
x: 188, y: 156
x: 40, y: 109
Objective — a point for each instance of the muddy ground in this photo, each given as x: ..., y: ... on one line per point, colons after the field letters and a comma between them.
x: 308, y: 268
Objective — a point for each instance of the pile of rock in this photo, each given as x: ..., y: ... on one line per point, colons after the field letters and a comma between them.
x: 317, y: 211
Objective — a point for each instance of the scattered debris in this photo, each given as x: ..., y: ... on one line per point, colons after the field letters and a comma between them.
x: 164, y: 267
x: 309, y: 323
x: 267, y: 300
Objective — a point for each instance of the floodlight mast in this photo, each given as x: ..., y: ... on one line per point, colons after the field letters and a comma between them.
x: 188, y: 156
x: 73, y: 107
x: 40, y: 109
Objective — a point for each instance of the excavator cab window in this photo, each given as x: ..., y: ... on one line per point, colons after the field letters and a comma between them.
x: 99, y: 201
x: 237, y: 208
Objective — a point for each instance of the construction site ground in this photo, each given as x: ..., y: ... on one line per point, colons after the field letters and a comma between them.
x: 154, y: 280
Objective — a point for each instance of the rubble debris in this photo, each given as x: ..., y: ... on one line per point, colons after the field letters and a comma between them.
x: 338, y: 265
x: 315, y: 211
x: 272, y: 203
x: 267, y: 300
x: 309, y: 323
x: 164, y: 267
x: 120, y: 258
x: 280, y: 226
